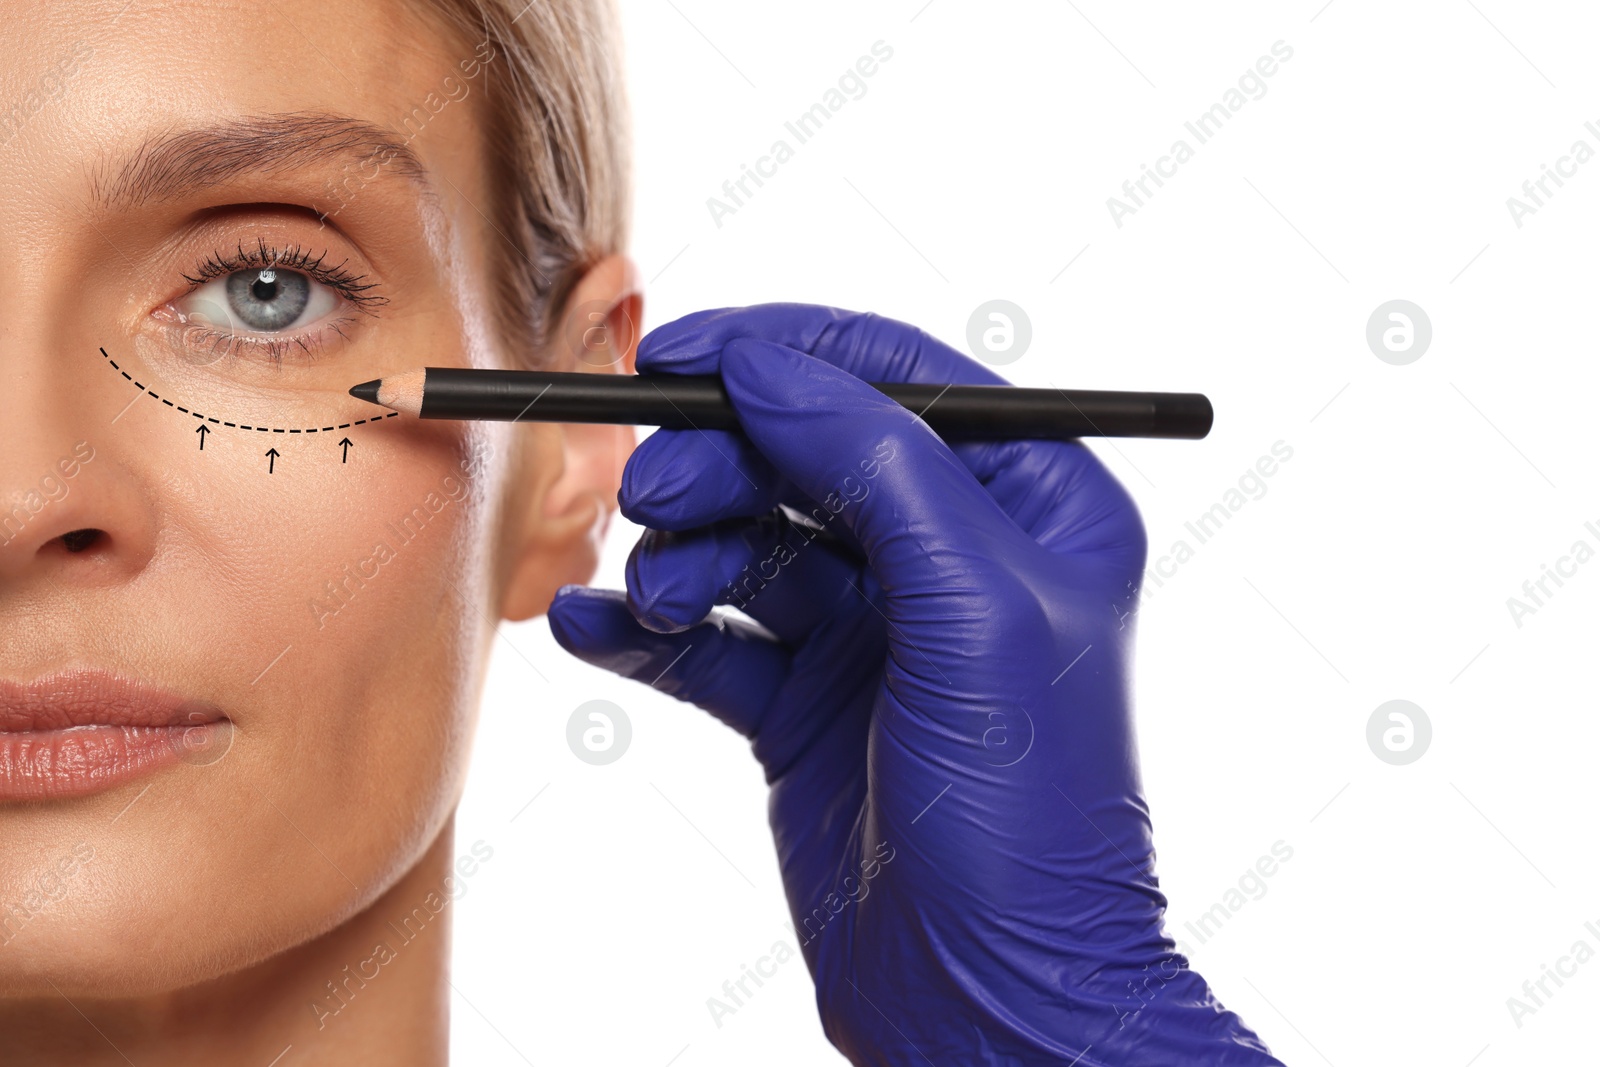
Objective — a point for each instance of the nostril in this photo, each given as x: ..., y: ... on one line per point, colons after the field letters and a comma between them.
x: 79, y: 540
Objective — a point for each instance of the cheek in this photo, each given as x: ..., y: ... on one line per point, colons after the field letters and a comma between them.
x: 366, y: 576
x: 338, y: 612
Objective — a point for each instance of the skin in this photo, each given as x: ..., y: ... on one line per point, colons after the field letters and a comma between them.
x: 222, y: 897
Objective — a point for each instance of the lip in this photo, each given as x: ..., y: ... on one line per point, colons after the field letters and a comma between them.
x: 86, y: 731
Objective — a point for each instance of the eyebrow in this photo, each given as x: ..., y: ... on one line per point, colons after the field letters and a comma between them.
x: 179, y: 162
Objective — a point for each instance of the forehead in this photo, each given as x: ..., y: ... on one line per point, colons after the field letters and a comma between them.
x: 90, y: 89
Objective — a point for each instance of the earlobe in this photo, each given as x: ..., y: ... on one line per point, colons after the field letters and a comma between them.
x: 569, y: 474
x: 563, y: 509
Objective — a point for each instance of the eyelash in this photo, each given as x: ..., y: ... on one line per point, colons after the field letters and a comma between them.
x: 354, y: 288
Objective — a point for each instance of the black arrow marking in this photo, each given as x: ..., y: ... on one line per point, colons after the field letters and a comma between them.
x: 202, y: 430
x: 272, y: 459
x: 345, y: 444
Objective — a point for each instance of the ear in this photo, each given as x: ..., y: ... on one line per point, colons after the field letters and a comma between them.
x: 569, y: 473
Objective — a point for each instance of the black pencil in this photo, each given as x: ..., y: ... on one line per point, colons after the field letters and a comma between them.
x: 683, y: 402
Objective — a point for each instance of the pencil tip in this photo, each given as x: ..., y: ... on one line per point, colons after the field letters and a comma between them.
x: 367, y: 391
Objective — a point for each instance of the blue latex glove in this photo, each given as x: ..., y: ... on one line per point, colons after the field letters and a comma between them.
x: 944, y: 717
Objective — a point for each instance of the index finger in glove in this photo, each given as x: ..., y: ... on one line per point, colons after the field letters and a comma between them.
x: 676, y: 480
x: 871, y: 347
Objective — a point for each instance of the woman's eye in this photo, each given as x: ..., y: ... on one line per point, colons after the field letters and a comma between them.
x: 261, y: 300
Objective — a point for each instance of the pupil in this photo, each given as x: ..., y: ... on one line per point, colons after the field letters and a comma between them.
x: 265, y: 287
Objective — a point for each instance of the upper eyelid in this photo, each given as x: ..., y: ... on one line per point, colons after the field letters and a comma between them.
x: 356, y: 288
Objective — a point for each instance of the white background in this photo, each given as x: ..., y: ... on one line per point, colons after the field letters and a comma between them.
x: 1377, y: 566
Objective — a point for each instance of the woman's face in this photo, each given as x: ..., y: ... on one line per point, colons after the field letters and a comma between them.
x: 238, y: 666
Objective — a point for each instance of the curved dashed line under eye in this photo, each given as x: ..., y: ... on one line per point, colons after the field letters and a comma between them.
x: 153, y: 395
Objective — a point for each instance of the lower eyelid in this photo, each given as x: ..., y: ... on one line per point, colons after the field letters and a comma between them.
x: 206, y: 345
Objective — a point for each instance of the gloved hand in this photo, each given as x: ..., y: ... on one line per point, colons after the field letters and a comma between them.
x: 944, y: 715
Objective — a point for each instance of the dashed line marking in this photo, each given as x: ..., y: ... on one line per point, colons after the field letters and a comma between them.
x: 240, y: 426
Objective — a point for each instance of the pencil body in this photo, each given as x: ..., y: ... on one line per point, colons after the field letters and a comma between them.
x: 682, y: 402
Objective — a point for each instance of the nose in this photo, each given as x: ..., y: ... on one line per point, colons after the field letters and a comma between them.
x: 70, y: 514
x: 79, y: 496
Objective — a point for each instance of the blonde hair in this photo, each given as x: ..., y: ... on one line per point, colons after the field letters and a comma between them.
x: 558, y: 142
